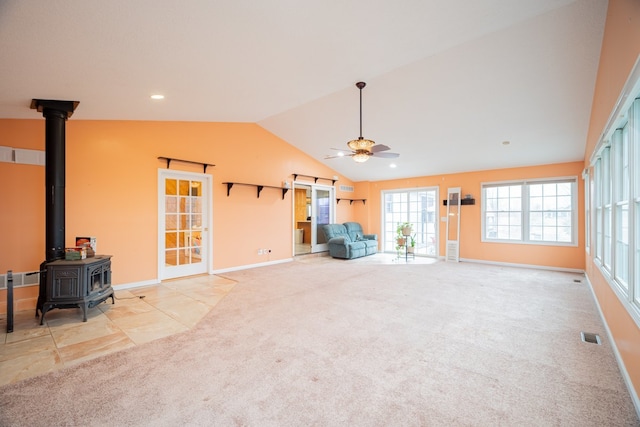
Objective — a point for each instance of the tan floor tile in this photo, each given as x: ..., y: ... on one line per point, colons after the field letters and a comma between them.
x: 155, y: 292
x: 125, y: 308
x: 145, y: 327
x: 209, y: 297
x: 29, y: 365
x: 183, y: 309
x: 198, y: 282
x: 26, y: 326
x: 69, y: 317
x: 90, y: 349
x: 26, y: 347
x: 68, y: 335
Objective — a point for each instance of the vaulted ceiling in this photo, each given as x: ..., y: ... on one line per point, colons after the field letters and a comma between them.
x: 448, y: 81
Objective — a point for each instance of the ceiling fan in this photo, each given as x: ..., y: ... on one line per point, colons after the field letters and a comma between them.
x: 362, y: 149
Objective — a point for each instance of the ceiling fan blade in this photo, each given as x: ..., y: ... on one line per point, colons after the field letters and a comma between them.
x: 379, y: 147
x: 338, y: 156
x: 386, y: 155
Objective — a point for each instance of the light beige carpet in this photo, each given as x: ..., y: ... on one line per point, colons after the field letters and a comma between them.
x: 344, y: 344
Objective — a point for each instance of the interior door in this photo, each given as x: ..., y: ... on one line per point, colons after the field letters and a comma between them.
x: 322, y: 212
x: 453, y: 225
x: 183, y: 238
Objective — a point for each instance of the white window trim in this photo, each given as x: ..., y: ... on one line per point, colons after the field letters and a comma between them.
x: 627, y: 108
x: 525, y: 211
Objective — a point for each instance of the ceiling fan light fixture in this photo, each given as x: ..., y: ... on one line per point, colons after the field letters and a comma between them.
x: 360, y: 144
x: 361, y: 156
x: 361, y: 148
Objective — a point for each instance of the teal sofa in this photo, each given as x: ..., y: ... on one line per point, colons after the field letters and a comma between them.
x: 348, y: 241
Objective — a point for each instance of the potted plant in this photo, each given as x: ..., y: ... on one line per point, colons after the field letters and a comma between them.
x: 401, y: 236
x: 404, y: 229
x: 412, y: 244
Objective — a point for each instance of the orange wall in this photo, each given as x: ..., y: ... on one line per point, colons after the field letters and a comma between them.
x: 471, y: 246
x: 111, y: 191
x: 620, y: 49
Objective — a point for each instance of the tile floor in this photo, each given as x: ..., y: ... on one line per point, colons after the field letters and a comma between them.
x: 165, y: 309
x: 64, y: 340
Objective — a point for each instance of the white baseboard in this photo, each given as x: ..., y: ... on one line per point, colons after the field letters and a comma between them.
x: 135, y: 284
x: 538, y: 267
x: 621, y: 366
x: 248, y: 266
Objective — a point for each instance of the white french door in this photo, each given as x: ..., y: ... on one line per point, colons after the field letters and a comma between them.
x: 322, y: 212
x: 183, y: 223
x: 419, y: 207
x: 313, y: 206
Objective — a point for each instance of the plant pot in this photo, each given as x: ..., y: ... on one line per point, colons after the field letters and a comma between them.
x: 406, y: 231
x: 411, y: 249
x: 401, y: 241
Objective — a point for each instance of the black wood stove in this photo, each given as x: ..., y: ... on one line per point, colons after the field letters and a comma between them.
x: 64, y: 284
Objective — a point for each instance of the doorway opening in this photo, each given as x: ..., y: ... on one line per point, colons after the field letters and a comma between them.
x: 314, y: 206
x: 418, y: 207
x: 183, y: 223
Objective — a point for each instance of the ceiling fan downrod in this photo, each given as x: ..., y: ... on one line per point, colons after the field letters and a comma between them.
x: 360, y: 85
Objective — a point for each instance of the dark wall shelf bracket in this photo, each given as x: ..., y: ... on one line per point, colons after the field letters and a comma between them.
x: 364, y: 201
x: 258, y: 187
x: 169, y: 159
x: 462, y: 202
x: 315, y: 178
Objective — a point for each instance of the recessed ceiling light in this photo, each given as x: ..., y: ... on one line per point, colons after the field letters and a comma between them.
x: 157, y: 96
x: 340, y: 154
x: 506, y: 142
x: 393, y: 165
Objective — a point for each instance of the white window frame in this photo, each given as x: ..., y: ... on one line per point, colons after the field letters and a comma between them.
x: 615, y: 165
x: 586, y: 176
x: 524, y: 210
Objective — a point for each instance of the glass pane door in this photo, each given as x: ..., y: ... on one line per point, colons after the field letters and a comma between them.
x: 322, y: 213
x: 183, y: 220
x: 418, y: 208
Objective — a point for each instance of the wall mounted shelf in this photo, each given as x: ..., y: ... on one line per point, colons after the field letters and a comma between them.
x: 170, y: 159
x: 364, y: 201
x: 315, y: 178
x: 258, y: 187
x: 462, y: 202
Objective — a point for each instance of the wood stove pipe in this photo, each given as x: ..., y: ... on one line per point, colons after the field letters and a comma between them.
x: 55, y: 113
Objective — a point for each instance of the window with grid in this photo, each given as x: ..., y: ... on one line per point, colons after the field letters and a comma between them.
x: 633, y: 141
x: 620, y: 178
x: 606, y: 209
x: 597, y: 202
x: 616, y: 201
x: 539, y: 211
x: 586, y: 176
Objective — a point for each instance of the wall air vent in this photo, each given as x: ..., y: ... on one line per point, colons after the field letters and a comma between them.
x: 20, y: 279
x: 22, y: 156
x: 346, y: 188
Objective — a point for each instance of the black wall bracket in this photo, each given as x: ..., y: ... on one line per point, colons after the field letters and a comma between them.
x: 315, y: 178
x: 364, y: 201
x: 169, y: 159
x: 258, y: 186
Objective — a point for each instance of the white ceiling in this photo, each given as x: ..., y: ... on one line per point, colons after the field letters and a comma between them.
x: 447, y: 80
